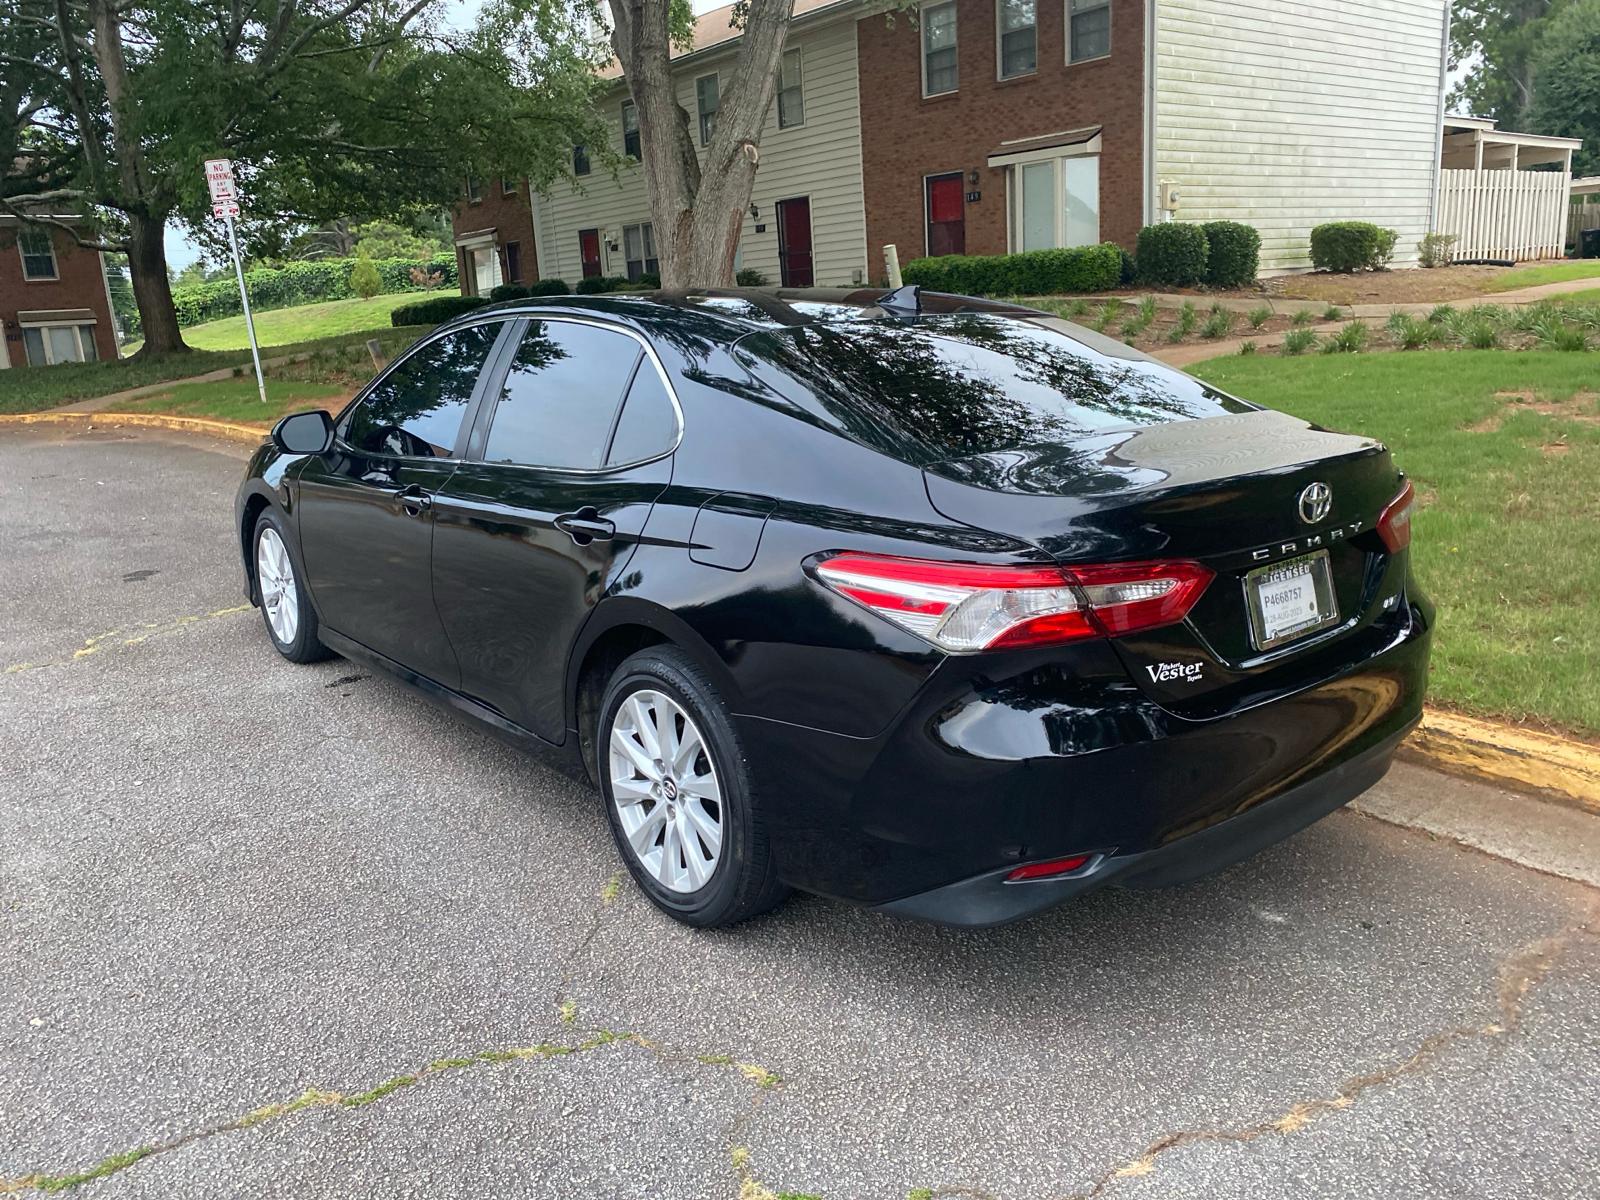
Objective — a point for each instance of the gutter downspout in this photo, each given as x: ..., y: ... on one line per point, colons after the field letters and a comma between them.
x: 1149, y: 112
x: 1438, y: 148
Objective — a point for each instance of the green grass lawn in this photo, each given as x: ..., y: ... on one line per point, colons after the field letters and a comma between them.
x: 1555, y: 272
x: 1504, y: 449
x: 308, y: 322
x: 32, y: 389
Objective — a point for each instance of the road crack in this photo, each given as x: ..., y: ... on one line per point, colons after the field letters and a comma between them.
x: 1517, y: 977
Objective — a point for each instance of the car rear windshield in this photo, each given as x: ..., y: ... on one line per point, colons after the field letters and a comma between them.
x: 949, y: 387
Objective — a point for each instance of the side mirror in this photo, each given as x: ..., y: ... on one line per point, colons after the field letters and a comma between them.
x: 304, y: 433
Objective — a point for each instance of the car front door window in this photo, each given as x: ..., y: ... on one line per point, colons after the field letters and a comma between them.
x: 416, y: 410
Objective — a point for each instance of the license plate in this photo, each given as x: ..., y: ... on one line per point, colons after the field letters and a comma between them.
x: 1290, y: 599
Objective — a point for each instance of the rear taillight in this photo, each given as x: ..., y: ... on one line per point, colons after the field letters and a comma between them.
x: 963, y: 607
x: 1394, y: 525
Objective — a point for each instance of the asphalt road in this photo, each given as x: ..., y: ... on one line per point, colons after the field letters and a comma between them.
x: 294, y: 930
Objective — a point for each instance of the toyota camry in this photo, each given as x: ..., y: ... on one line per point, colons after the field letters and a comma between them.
x: 938, y: 605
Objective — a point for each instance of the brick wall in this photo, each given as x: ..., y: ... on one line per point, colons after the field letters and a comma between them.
x: 80, y: 285
x: 509, y: 216
x: 905, y: 137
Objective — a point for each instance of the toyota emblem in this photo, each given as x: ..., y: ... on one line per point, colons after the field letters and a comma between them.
x: 1315, y: 503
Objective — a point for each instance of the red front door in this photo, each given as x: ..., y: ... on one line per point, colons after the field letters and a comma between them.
x: 794, y: 242
x: 947, y: 215
x: 589, y: 249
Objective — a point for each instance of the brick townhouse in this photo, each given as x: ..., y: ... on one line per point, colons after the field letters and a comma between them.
x: 988, y: 126
x: 54, y: 305
x: 493, y: 227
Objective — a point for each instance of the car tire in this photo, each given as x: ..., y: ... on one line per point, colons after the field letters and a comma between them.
x: 281, y: 591
x: 669, y: 815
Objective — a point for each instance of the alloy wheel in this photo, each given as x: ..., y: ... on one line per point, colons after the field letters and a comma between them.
x: 275, y: 575
x: 665, y: 789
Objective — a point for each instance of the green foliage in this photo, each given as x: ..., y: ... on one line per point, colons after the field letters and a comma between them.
x: 508, y: 291
x: 1411, y: 333
x: 1259, y: 315
x: 1301, y: 318
x: 1033, y: 273
x: 299, y: 283
x: 593, y: 284
x: 364, y: 278
x: 1441, y: 314
x: 1108, y: 312
x: 1566, y: 73
x: 1481, y: 334
x: 435, y: 309
x: 1187, y: 320
x: 1436, y: 249
x: 1233, y: 252
x: 1128, y: 271
x: 1246, y: 349
x: 1142, y: 318
x: 1219, y: 322
x: 387, y: 239
x: 1173, y: 253
x: 549, y: 287
x: 1298, y: 341
x: 1332, y: 313
x: 750, y: 277
x: 1345, y: 246
x: 1351, y: 339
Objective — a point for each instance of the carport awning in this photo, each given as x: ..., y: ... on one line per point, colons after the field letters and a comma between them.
x: 1048, y: 145
x: 56, y: 316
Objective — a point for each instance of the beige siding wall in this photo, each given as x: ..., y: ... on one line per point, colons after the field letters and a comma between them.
x: 1285, y: 114
x: 820, y: 159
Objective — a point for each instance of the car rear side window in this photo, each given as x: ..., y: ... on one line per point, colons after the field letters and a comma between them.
x: 560, y: 396
x: 649, y: 422
x: 965, y: 384
x: 416, y: 410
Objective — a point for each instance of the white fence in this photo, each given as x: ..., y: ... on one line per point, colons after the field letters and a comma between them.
x: 1582, y: 216
x: 1504, y: 214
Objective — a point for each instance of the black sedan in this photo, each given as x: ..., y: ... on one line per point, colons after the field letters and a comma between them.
x: 933, y: 604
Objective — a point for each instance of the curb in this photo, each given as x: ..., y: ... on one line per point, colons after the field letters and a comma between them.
x: 252, y: 434
x: 1564, y: 770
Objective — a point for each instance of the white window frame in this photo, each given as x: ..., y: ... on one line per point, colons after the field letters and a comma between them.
x: 799, y: 87
x: 1078, y: 62
x: 922, y: 45
x: 630, y: 106
x: 49, y: 356
x: 644, y: 250
x: 999, y: 44
x: 22, y: 255
x: 1058, y: 156
x: 707, y: 129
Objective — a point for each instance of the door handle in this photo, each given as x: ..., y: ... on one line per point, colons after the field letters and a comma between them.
x: 414, y: 500
x: 585, y: 526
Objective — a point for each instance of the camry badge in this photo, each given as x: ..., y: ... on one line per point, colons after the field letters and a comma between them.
x: 1315, y: 503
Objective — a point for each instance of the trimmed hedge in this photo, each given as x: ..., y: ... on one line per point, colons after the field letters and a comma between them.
x: 1233, y: 252
x: 750, y: 277
x: 1345, y: 246
x: 549, y: 287
x: 508, y: 291
x: 299, y: 283
x: 1032, y: 273
x: 435, y: 309
x: 1173, y: 253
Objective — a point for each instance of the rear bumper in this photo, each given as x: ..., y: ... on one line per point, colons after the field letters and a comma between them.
x: 988, y: 899
x: 1004, y: 760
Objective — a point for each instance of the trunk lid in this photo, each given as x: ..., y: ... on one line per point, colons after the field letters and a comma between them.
x: 1225, y: 491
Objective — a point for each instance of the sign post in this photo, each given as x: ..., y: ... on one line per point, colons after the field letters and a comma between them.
x: 225, y: 204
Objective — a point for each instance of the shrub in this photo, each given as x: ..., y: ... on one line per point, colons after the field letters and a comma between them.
x: 1298, y: 341
x: 549, y: 287
x: 364, y: 279
x: 1481, y: 334
x: 1187, y: 319
x: 303, y: 283
x: 1246, y: 349
x: 1218, y: 323
x: 1345, y: 246
x: 435, y: 309
x: 508, y: 291
x: 1436, y: 249
x: 750, y: 277
x: 592, y: 285
x: 1442, y: 314
x: 1233, y: 252
x: 1142, y: 318
x: 1301, y: 318
x: 1351, y: 339
x: 648, y: 280
x: 1332, y: 313
x: 1411, y: 333
x: 1259, y: 315
x: 1033, y: 273
x: 1173, y: 253
x: 1101, y: 319
x: 1128, y: 270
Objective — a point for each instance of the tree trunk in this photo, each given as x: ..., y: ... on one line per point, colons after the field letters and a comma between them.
x: 698, y: 216
x: 147, y: 267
